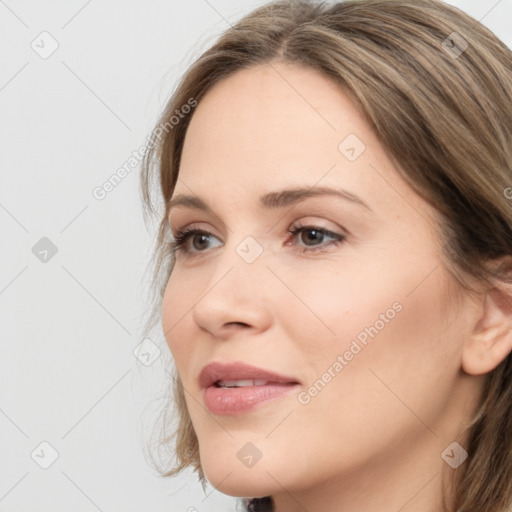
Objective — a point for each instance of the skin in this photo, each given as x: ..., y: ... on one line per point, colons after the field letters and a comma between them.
x: 372, y: 438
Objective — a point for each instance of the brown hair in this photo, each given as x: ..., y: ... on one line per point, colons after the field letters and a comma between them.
x: 441, y: 104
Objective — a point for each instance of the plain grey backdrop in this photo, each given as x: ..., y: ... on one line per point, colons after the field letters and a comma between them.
x: 81, y: 85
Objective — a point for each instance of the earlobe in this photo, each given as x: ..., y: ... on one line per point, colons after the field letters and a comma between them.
x: 491, y: 340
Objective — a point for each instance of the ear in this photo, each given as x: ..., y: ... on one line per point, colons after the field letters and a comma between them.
x: 491, y: 340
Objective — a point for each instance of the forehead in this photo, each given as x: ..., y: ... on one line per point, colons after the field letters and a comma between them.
x: 270, y: 118
x: 276, y: 126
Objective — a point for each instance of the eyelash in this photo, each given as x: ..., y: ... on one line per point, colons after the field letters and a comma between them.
x: 181, y: 238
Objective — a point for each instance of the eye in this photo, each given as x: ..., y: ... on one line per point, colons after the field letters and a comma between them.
x: 200, y: 238
x: 183, y: 236
x: 318, y: 234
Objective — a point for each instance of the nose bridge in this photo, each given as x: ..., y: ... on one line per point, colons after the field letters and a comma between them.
x: 243, y: 261
x: 236, y: 291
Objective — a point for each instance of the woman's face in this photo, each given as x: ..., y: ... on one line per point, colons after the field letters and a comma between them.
x: 360, y: 320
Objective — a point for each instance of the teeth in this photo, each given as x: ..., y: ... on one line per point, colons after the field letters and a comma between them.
x: 240, y: 383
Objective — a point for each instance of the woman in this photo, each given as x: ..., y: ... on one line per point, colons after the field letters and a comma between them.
x: 334, y: 259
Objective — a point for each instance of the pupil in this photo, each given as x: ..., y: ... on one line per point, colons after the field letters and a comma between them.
x: 315, y: 237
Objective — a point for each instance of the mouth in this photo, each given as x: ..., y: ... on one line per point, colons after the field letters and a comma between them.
x: 236, y: 388
x: 246, y: 383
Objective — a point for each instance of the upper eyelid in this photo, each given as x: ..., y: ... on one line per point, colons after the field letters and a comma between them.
x: 291, y: 200
x: 295, y: 224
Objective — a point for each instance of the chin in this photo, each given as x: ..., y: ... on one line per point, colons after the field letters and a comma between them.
x: 242, y: 483
x: 231, y: 477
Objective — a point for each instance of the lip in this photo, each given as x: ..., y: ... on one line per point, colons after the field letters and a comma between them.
x: 230, y: 401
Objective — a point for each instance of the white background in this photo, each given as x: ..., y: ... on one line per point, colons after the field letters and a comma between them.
x: 69, y: 325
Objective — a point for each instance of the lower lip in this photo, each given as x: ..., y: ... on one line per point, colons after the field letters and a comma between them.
x: 243, y: 399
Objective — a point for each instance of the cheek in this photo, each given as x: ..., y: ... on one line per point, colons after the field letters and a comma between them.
x: 376, y: 345
x: 176, y: 305
x: 326, y: 309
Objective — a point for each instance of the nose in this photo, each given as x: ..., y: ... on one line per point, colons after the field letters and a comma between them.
x: 237, y: 296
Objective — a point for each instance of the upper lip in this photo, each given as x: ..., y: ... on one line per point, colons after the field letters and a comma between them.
x: 216, y: 371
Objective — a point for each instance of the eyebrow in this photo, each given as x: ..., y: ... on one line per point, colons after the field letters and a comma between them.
x: 274, y: 200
